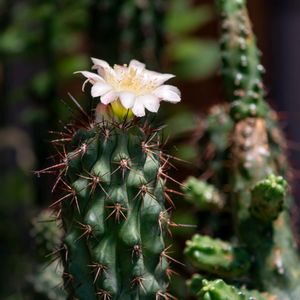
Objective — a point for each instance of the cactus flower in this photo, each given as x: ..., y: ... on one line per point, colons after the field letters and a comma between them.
x: 135, y: 87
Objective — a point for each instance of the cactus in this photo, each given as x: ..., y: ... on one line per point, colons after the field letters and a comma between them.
x: 217, y: 257
x: 114, y: 227
x: 205, y: 196
x: 45, y: 282
x: 46, y: 232
x: 113, y: 175
x: 219, y: 290
x: 250, y: 171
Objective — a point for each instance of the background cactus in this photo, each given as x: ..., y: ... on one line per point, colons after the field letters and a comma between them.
x: 133, y: 29
x: 45, y: 281
x: 247, y: 165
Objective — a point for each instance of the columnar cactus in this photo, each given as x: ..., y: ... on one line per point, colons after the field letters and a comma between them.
x: 252, y: 167
x: 113, y: 174
x: 114, y: 226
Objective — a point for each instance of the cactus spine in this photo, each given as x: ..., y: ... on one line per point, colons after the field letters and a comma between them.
x: 255, y: 164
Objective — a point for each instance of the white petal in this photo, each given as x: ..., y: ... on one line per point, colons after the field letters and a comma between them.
x: 99, y: 89
x: 127, y: 99
x: 100, y: 62
x: 92, y: 77
x: 136, y: 64
x: 109, y: 97
x: 168, y: 93
x: 102, y: 67
x: 151, y: 102
x: 138, y: 109
x: 158, y: 78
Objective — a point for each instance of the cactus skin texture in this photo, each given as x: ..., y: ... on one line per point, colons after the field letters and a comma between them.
x: 251, y: 172
x: 113, y: 212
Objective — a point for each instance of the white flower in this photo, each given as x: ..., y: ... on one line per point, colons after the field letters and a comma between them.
x: 136, y: 87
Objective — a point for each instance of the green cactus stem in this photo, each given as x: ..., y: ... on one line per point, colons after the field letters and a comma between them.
x: 113, y: 212
x: 219, y: 290
x: 267, y: 198
x: 217, y: 257
x: 203, y: 195
x: 241, y: 67
x: 213, y: 144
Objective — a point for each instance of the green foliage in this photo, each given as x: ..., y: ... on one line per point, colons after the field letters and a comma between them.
x: 191, y: 57
x: 187, y: 61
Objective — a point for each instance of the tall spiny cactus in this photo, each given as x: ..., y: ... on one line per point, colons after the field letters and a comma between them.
x: 255, y: 164
x: 113, y: 174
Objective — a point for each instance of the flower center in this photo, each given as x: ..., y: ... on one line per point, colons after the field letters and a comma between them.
x: 130, y: 80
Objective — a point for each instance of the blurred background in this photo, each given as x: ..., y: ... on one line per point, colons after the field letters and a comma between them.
x: 42, y: 42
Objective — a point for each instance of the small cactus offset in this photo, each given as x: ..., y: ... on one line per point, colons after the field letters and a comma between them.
x: 205, y: 196
x: 247, y: 167
x: 217, y: 257
x: 113, y: 174
x: 219, y: 290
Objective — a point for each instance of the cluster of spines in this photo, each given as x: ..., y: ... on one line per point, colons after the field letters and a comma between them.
x: 113, y: 177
